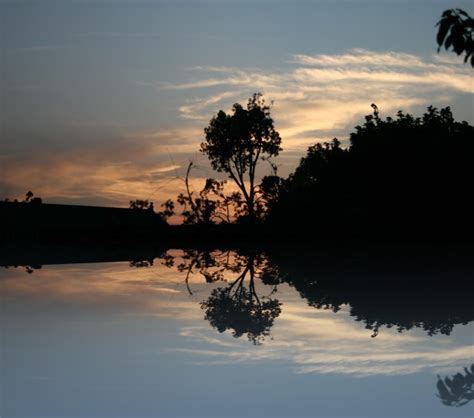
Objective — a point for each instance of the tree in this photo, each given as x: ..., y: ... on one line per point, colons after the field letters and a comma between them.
x: 168, y: 210
x: 141, y: 204
x: 456, y: 31
x: 236, y: 142
x: 403, y: 175
x: 211, y: 204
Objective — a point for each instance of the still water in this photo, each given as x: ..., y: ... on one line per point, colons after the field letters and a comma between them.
x: 228, y: 334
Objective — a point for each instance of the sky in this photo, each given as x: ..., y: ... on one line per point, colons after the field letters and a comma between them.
x: 105, y: 101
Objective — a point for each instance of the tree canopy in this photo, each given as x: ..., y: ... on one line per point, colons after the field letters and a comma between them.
x: 400, y: 175
x: 236, y: 142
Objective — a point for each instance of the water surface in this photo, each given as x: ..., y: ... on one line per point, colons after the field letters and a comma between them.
x: 226, y: 334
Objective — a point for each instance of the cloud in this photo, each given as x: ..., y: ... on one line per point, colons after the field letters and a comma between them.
x: 316, y: 97
x: 191, y: 110
x: 99, y: 167
x: 359, y: 57
x: 165, y: 169
x: 329, y: 94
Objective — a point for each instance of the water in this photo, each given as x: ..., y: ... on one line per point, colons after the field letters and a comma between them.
x: 223, y: 334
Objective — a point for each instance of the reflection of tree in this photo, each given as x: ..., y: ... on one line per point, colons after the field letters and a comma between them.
x: 28, y: 268
x: 210, y: 265
x: 457, y: 390
x: 405, y: 294
x: 238, y: 306
x: 141, y: 263
x: 401, y: 305
x: 240, y: 309
x: 401, y: 292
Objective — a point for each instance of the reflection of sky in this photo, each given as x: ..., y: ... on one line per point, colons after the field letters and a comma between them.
x: 106, y: 101
x: 109, y: 340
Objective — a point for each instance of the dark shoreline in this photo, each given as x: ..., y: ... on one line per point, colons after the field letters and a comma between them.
x: 37, y: 234
x: 37, y: 252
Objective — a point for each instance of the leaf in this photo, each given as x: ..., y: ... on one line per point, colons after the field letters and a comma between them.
x: 462, y: 12
x: 447, y: 13
x: 458, y: 44
x: 442, y: 32
x: 448, y: 42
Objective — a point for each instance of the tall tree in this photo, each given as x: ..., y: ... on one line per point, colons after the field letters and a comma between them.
x: 236, y: 142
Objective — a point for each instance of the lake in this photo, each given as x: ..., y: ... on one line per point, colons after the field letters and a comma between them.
x: 238, y: 334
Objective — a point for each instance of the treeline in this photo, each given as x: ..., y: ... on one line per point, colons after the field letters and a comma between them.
x: 401, y: 176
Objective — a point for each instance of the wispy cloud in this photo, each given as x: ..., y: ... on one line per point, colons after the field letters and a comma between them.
x: 360, y: 57
x: 326, y: 95
x: 316, y: 97
x: 313, y: 342
x: 192, y: 109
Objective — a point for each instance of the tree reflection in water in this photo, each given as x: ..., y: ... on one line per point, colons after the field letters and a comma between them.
x: 239, y: 308
x: 457, y: 390
x: 404, y: 295
x: 236, y: 306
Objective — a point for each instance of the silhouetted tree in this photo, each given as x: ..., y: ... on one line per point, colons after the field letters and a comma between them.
x: 457, y: 390
x: 29, y: 195
x: 30, y: 198
x: 211, y: 205
x: 456, y: 31
x: 168, y: 210
x: 236, y: 143
x: 399, y: 176
x: 141, y: 204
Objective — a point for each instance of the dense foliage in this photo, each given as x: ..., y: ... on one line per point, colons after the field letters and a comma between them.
x: 405, y: 175
x: 236, y: 142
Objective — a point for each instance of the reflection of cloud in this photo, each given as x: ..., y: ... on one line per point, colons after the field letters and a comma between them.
x: 108, y: 288
x: 313, y: 341
x: 323, y: 342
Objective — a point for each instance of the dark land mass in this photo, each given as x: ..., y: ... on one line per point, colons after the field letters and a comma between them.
x: 68, y: 224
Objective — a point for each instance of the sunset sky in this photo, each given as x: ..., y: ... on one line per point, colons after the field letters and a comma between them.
x: 105, y: 101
